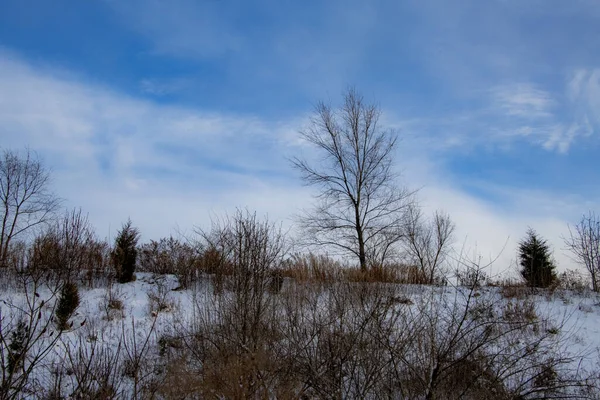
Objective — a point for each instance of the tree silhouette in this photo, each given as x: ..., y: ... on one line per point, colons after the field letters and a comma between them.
x: 124, y: 255
x: 537, y: 267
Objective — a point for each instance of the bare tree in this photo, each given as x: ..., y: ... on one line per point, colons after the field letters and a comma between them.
x: 426, y: 242
x: 360, y: 207
x: 25, y: 198
x: 584, y: 245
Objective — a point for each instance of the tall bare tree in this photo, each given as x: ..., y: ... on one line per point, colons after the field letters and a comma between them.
x: 25, y: 197
x: 584, y: 245
x: 360, y: 207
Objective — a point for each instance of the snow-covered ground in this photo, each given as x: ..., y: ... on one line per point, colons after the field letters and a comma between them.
x: 135, y: 318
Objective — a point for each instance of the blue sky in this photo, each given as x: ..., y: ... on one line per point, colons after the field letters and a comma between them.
x: 175, y: 111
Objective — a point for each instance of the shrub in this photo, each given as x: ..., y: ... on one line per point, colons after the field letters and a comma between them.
x: 111, y: 305
x: 520, y: 311
x: 472, y: 277
x: 16, y: 348
x: 67, y: 304
x: 170, y: 256
x: 538, y: 269
x: 159, y: 299
x: 124, y: 255
x: 573, y: 280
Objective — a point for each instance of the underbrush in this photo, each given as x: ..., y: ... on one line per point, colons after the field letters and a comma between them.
x: 342, y: 340
x: 264, y: 325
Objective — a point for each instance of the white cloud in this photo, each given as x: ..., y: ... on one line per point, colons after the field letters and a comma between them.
x: 582, y: 105
x: 165, y: 166
x: 116, y: 155
x: 523, y: 100
x: 583, y: 90
x: 554, y: 121
x: 492, y: 228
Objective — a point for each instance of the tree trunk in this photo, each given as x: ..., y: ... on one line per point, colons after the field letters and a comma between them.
x: 362, y: 257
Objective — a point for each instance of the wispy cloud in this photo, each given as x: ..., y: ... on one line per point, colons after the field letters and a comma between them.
x: 140, y: 139
x: 523, y: 100
x: 270, y: 44
x: 117, y: 155
x: 583, y: 90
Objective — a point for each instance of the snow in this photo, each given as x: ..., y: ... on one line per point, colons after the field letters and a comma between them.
x: 577, y: 313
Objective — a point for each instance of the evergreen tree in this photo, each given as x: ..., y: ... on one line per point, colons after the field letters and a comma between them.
x: 67, y: 304
x: 537, y: 267
x: 124, y: 255
x: 16, y: 348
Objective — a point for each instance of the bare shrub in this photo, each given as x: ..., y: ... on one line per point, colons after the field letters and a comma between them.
x: 170, y: 256
x: 136, y: 364
x: 69, y: 249
x: 228, y: 340
x: 182, y: 382
x: 371, y: 340
x: 338, y: 339
x: 251, y: 249
x: 573, y: 280
x: 459, y: 353
x: 472, y: 277
x: 520, y: 311
x: 92, y: 367
x: 112, y: 306
x: 159, y: 299
x: 27, y: 335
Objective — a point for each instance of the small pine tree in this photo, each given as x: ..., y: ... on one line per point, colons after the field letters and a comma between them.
x: 67, y: 304
x: 124, y: 255
x: 16, y: 348
x: 535, y: 259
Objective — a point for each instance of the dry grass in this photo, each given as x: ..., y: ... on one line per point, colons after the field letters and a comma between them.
x: 304, y: 268
x: 374, y: 274
x: 515, y: 292
x: 520, y: 311
x: 311, y: 268
x: 180, y: 381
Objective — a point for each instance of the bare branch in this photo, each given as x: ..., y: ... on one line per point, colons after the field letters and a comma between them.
x: 359, y: 209
x: 584, y: 245
x: 25, y: 199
